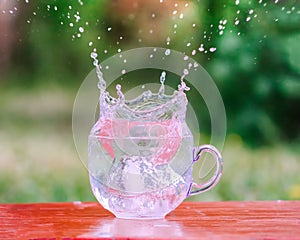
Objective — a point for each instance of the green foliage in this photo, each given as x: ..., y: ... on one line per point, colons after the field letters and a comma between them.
x: 256, y: 65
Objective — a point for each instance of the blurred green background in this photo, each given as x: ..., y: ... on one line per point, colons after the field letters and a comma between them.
x: 250, y: 48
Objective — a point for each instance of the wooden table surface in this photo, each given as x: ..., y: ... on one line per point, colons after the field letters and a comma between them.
x: 206, y: 220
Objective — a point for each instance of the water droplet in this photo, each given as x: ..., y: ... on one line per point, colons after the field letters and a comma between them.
x: 188, y: 44
x: 123, y: 71
x: 109, y: 29
x: 90, y: 44
x: 153, y: 15
x: 185, y: 58
x: 174, y: 12
x: 212, y: 49
x: 194, y: 52
x: 125, y: 61
x: 201, y: 48
x: 248, y: 19
x: 181, y: 16
x: 167, y: 52
x: 81, y: 29
x: 94, y: 55
x: 237, y: 2
x: 71, y: 24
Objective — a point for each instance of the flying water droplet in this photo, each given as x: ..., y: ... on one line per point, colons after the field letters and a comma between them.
x: 201, y: 48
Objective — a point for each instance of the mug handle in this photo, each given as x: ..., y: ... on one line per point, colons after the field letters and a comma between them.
x: 199, y: 188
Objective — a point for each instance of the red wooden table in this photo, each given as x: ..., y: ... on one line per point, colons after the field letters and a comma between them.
x: 206, y: 220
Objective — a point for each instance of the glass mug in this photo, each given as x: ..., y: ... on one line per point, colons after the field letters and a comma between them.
x: 141, y: 157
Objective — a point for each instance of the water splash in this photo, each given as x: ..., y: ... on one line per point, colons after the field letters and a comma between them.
x: 101, y: 83
x: 162, y: 82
